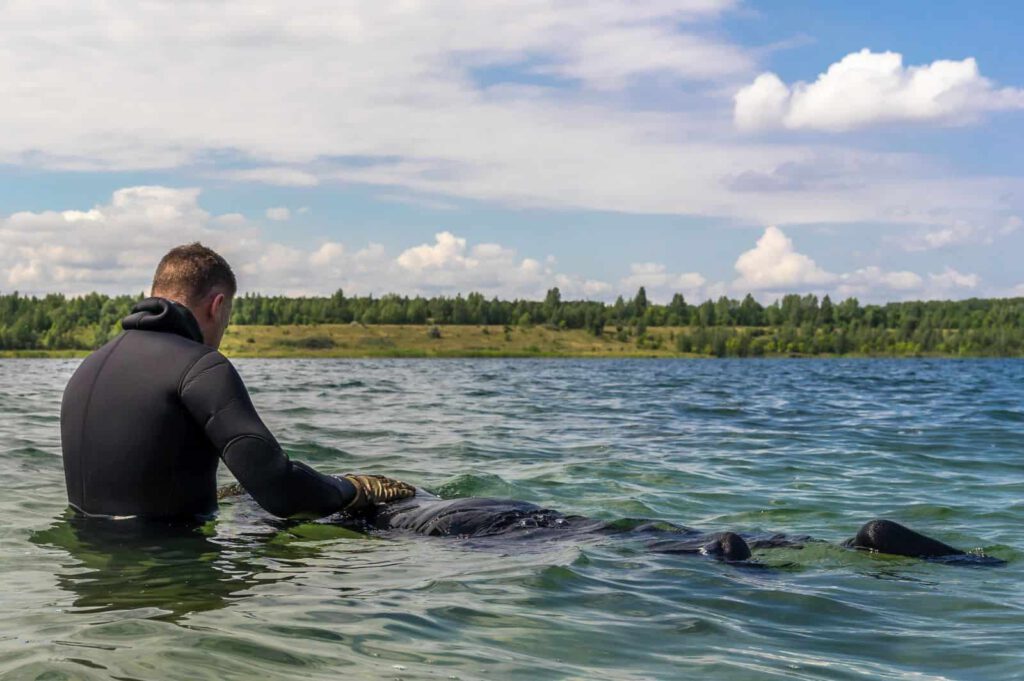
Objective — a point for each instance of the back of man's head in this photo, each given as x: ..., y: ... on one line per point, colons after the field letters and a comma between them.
x: 190, y: 272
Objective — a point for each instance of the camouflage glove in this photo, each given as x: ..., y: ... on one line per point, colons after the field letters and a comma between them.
x: 232, y: 489
x: 377, y: 489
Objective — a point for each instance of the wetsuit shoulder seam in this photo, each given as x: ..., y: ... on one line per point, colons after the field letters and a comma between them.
x: 181, y: 381
x: 85, y: 418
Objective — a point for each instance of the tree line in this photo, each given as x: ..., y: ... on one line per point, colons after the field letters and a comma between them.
x: 793, y: 324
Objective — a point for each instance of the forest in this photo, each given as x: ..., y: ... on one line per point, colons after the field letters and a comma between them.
x: 726, y: 327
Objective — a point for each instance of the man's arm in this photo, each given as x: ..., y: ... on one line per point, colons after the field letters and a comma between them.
x: 214, y: 394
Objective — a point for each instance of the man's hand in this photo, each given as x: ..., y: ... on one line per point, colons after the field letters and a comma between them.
x: 377, y: 489
x: 232, y: 489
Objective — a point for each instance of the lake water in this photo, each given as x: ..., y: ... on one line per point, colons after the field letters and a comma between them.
x: 815, y: 447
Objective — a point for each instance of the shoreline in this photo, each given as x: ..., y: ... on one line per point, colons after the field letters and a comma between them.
x: 357, y: 341
x: 411, y: 355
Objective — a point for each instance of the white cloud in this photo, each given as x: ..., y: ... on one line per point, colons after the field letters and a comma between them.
x: 416, y: 98
x: 660, y: 284
x: 448, y: 251
x: 875, y: 284
x: 762, y: 104
x: 114, y: 248
x: 590, y: 288
x: 609, y: 58
x: 327, y: 253
x: 283, y: 177
x: 451, y: 265
x: 279, y: 213
x: 229, y: 220
x: 957, y: 233
x: 416, y: 201
x: 869, y: 88
x: 871, y: 281
x: 950, y: 279
x: 286, y: 84
x: 774, y: 268
x: 773, y: 264
x: 107, y: 247
x: 948, y: 235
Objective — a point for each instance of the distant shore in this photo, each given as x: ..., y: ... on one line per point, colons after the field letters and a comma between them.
x: 474, y: 326
x: 457, y: 341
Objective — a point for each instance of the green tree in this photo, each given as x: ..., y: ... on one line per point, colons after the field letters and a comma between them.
x: 640, y: 302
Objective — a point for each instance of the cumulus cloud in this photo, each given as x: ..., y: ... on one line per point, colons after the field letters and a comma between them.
x: 870, y: 88
x: 583, y: 287
x: 521, y: 103
x: 451, y: 265
x: 448, y: 251
x: 870, y: 280
x: 950, y: 279
x: 108, y: 247
x: 114, y: 247
x: 940, y: 237
x: 957, y: 233
x: 773, y: 264
x: 279, y: 213
x: 762, y: 104
x: 875, y: 283
x: 660, y: 284
x: 774, y: 267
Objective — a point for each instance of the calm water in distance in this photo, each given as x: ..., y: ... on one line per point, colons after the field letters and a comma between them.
x: 814, y: 447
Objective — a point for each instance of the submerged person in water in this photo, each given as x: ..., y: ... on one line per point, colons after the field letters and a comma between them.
x: 476, y: 518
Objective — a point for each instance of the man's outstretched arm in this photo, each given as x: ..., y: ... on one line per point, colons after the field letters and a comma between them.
x: 215, y: 395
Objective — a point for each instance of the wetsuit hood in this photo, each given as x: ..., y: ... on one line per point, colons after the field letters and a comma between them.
x: 161, y: 314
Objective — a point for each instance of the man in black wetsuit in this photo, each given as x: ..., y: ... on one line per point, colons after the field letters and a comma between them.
x: 146, y: 418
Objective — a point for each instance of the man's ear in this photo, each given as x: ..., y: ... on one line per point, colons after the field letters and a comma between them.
x: 216, y: 304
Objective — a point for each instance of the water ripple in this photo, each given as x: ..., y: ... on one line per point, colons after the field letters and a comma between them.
x: 801, y: 447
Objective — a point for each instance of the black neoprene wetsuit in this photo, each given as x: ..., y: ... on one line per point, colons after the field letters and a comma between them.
x: 146, y: 418
x: 500, y: 520
x: 477, y: 518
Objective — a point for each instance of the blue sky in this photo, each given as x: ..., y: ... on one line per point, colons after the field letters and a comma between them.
x: 709, y: 147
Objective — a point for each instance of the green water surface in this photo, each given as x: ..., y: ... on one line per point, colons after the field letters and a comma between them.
x: 801, y: 447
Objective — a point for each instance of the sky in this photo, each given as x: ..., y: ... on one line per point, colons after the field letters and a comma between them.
x: 705, y: 147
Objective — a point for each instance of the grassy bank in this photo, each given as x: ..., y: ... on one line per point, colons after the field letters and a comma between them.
x: 357, y: 340
x: 413, y: 340
x: 385, y: 340
x: 42, y: 354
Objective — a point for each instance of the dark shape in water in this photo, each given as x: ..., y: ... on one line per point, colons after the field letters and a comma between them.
x: 475, y: 517
x: 886, y: 536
